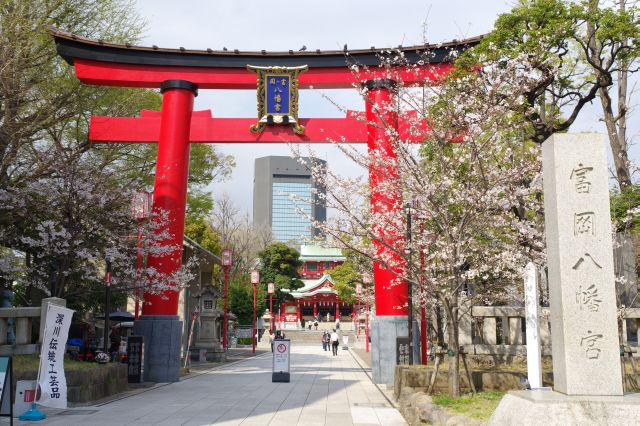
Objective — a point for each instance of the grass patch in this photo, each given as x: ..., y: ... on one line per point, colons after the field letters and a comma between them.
x: 480, y: 406
x: 30, y: 363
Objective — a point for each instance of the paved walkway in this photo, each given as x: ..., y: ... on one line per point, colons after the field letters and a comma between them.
x: 324, y: 390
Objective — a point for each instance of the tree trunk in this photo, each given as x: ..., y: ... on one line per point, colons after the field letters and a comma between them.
x: 454, y: 361
x: 453, y: 346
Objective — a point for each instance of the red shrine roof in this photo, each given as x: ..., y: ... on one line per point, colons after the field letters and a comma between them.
x: 322, y: 285
x: 71, y: 47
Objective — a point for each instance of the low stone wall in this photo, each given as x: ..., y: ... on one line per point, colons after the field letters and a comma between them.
x: 90, y: 384
x: 419, y: 376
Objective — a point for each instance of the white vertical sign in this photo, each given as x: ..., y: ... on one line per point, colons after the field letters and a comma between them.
x: 532, y: 314
x: 51, y: 378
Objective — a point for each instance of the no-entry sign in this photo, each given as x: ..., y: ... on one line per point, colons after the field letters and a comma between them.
x: 281, y: 360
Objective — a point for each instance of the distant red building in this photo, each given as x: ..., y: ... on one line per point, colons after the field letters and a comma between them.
x: 316, y: 260
x: 317, y: 298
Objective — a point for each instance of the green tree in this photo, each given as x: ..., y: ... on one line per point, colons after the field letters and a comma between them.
x: 345, y: 277
x: 575, y: 51
x: 279, y: 264
x: 241, y: 301
x: 45, y: 164
x: 200, y: 231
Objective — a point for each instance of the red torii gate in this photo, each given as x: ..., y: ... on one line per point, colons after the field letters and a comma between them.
x: 179, y: 73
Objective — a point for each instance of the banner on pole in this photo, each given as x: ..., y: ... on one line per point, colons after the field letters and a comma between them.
x: 52, y: 381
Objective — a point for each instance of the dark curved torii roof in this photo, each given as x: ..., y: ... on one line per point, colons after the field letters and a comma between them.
x: 71, y: 46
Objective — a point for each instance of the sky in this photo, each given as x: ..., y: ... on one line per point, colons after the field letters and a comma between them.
x: 318, y: 24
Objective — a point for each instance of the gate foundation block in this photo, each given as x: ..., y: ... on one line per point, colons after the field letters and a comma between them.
x: 162, y: 343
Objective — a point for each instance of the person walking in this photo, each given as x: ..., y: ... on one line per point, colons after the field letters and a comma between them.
x: 315, y: 324
x: 272, y: 337
x: 337, y: 323
x: 325, y: 341
x: 334, y: 342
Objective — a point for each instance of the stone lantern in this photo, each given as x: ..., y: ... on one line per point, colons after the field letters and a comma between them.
x: 210, y: 317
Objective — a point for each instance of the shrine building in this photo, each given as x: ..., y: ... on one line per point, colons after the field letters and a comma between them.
x: 317, y: 298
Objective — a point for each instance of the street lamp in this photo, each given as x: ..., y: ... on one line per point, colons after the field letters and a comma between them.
x: 226, y: 258
x: 407, y: 210
x: 107, y: 307
x: 367, y: 281
x: 358, y: 293
x: 255, y: 279
x: 141, y: 210
x: 270, y: 290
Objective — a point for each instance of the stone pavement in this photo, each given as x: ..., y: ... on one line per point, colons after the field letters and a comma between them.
x: 324, y: 390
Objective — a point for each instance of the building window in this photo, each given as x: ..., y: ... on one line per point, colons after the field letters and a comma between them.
x: 290, y: 208
x: 327, y: 265
x: 312, y: 266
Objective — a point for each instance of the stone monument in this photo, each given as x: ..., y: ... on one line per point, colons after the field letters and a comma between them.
x: 584, y: 333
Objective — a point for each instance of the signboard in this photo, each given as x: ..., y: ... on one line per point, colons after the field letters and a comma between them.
x: 225, y: 256
x: 6, y: 393
x: 270, y: 288
x: 135, y: 357
x: 277, y: 97
x: 358, y: 289
x: 255, y: 277
x: 281, y: 358
x: 51, y: 378
x: 402, y: 351
x: 25, y: 395
x: 244, y: 332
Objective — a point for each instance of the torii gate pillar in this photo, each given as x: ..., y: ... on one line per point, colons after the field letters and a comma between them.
x: 390, y: 294
x: 159, y: 323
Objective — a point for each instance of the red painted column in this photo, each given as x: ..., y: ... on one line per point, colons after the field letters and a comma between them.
x: 315, y: 310
x: 381, y: 117
x: 170, y: 187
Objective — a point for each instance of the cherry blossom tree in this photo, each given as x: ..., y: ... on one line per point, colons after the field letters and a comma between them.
x: 473, y: 187
x: 69, y: 223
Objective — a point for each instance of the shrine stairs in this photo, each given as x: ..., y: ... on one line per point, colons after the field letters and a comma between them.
x: 313, y: 337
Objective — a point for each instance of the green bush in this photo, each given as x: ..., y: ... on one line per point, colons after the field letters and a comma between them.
x: 244, y: 340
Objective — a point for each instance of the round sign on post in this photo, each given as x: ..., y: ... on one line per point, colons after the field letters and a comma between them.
x: 225, y: 257
x: 255, y: 277
x: 270, y: 288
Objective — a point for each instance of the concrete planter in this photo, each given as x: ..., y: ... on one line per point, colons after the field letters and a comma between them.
x: 90, y: 384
